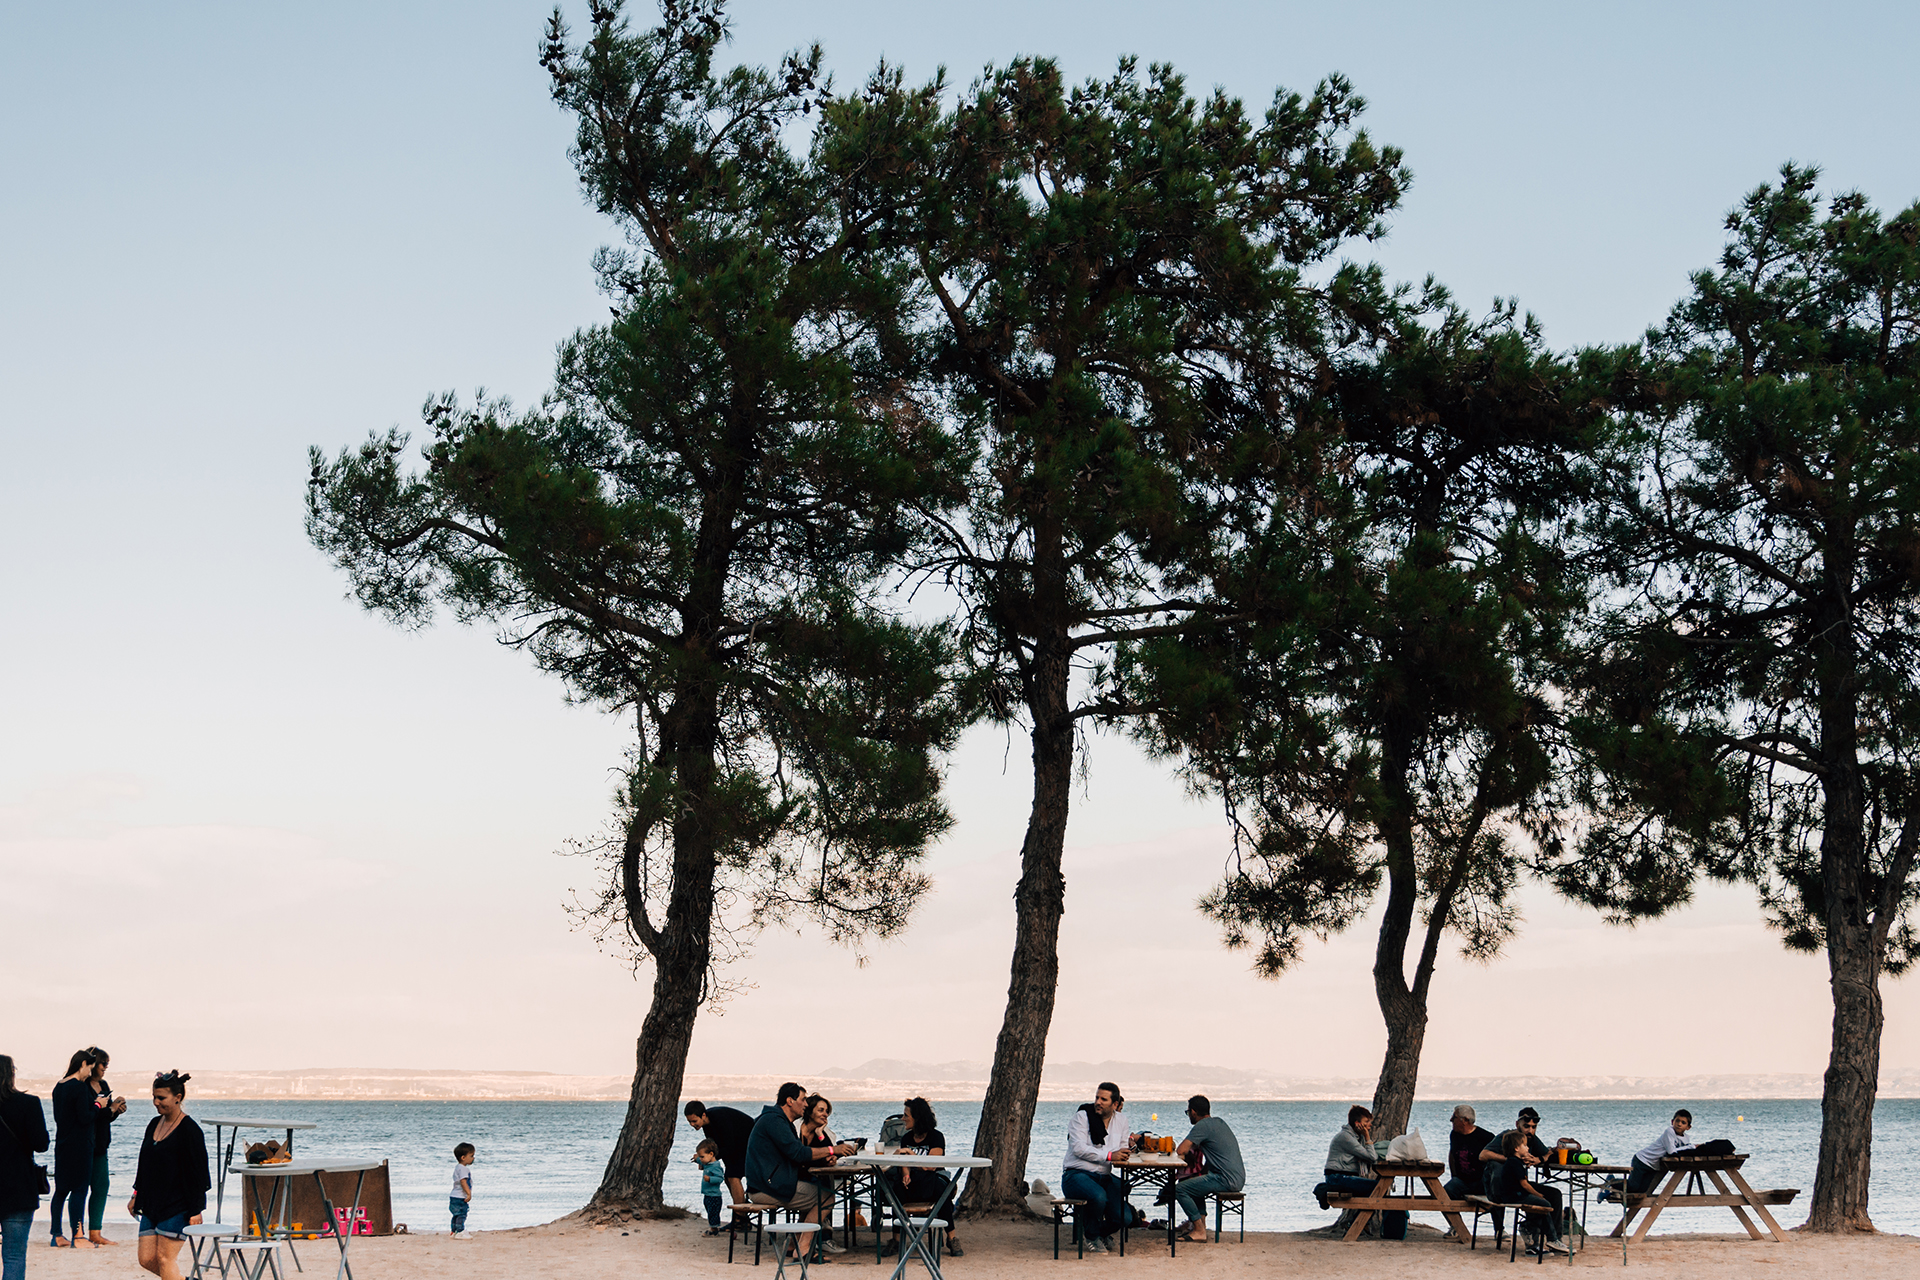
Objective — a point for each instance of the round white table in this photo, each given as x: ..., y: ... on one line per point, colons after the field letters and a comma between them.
x: 916, y: 1239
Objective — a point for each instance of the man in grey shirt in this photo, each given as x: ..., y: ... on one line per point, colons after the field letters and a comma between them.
x: 1225, y: 1171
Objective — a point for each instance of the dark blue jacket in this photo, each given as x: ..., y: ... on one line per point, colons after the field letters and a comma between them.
x: 775, y: 1155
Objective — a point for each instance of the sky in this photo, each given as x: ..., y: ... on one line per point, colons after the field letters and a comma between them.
x: 244, y: 824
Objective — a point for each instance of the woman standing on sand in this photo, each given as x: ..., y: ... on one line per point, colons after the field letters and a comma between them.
x: 106, y: 1109
x: 73, y: 1148
x: 170, y: 1187
x: 23, y: 1131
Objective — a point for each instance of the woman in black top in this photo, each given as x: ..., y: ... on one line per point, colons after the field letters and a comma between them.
x: 922, y: 1186
x: 23, y: 1131
x: 106, y: 1109
x: 170, y: 1186
x: 72, y: 1147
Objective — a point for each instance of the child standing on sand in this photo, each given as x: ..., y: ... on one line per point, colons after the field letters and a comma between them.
x: 462, y: 1197
x: 713, y: 1174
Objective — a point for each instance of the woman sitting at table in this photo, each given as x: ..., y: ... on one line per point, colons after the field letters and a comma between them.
x: 921, y: 1186
x: 812, y: 1127
x: 171, y: 1181
x: 1510, y: 1186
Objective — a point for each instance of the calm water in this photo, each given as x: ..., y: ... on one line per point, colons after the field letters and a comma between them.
x: 539, y: 1160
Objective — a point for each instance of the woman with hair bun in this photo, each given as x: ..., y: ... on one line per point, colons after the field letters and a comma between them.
x: 170, y: 1185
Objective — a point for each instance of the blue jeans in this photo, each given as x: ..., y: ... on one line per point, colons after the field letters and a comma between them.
x: 1106, y: 1198
x: 1640, y: 1178
x: 14, y: 1229
x: 712, y: 1205
x: 458, y: 1208
x: 1191, y: 1195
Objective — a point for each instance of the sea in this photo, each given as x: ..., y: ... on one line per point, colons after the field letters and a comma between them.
x: 538, y: 1161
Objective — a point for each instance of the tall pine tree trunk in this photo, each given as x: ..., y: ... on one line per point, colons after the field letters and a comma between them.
x: 1854, y: 956
x: 1404, y: 1013
x: 1019, y: 1056
x: 681, y: 946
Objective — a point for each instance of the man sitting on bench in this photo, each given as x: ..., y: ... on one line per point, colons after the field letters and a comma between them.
x: 1466, y: 1172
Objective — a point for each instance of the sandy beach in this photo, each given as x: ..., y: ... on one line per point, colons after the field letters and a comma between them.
x: 1009, y: 1250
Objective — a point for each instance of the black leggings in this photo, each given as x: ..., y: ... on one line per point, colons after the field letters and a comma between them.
x: 74, y: 1192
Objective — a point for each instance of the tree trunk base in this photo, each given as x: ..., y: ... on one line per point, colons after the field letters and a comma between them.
x: 600, y: 1213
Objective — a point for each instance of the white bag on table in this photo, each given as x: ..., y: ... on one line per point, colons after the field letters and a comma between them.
x: 1407, y: 1147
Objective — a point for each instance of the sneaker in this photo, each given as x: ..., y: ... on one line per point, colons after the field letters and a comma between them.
x: 1098, y: 1244
x: 711, y: 1231
x: 833, y: 1246
x: 892, y: 1249
x: 1554, y: 1246
x: 954, y: 1250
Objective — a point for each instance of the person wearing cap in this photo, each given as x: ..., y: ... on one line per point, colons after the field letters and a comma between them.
x: 1528, y: 1150
x: 1464, y: 1167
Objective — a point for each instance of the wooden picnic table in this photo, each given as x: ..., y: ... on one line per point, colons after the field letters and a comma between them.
x: 1381, y: 1198
x: 1739, y: 1197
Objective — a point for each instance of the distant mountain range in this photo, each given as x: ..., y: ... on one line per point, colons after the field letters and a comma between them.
x: 893, y: 1078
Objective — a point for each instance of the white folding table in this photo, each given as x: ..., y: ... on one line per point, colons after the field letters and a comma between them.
x: 915, y: 1244
x: 257, y: 1174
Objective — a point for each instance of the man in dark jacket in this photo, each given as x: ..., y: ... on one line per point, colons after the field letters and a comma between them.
x: 1465, y: 1169
x: 776, y: 1157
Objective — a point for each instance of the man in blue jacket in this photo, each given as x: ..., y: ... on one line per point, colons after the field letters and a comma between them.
x: 776, y: 1157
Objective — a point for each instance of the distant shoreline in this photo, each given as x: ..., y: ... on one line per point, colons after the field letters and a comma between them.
x: 1067, y: 1083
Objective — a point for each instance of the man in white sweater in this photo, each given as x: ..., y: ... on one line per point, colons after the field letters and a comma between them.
x: 1097, y: 1139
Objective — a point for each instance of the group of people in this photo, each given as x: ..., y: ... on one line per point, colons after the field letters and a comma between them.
x: 1098, y: 1140
x: 170, y: 1182
x: 777, y: 1159
x: 1482, y: 1163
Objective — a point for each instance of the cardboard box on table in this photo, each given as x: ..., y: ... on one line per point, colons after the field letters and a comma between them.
x: 376, y: 1198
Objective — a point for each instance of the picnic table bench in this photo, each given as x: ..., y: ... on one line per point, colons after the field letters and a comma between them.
x: 1381, y: 1198
x: 1740, y: 1197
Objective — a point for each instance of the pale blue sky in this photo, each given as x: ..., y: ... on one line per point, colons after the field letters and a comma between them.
x: 230, y: 231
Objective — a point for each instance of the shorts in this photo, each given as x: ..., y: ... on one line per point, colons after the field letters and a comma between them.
x: 806, y: 1195
x: 174, y: 1228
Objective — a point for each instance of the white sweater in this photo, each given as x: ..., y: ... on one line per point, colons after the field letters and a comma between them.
x: 1084, y: 1153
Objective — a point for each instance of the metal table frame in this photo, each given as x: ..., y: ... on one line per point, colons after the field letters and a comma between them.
x: 256, y: 1173
x: 220, y: 1161
x: 1150, y: 1169
x: 1581, y: 1178
x: 915, y: 1241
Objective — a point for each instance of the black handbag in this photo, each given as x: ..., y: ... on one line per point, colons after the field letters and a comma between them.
x: 46, y: 1187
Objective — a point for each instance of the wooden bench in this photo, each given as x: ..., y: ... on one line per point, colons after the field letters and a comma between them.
x: 1487, y: 1204
x: 1060, y: 1208
x: 1381, y: 1198
x: 1739, y: 1197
